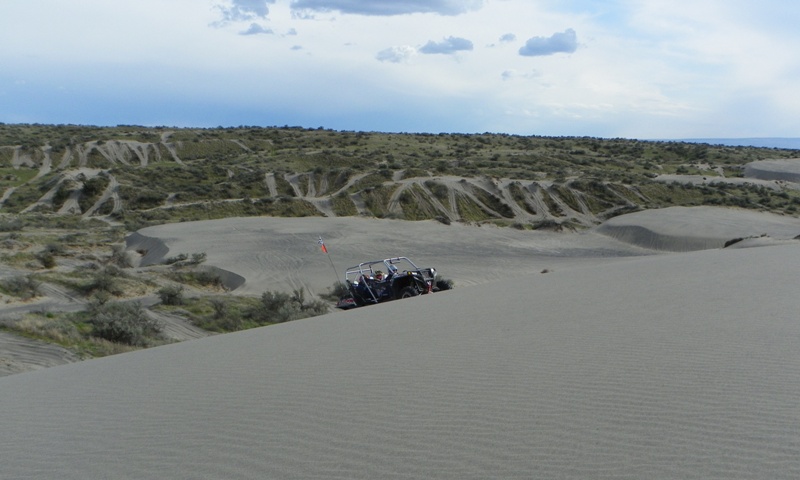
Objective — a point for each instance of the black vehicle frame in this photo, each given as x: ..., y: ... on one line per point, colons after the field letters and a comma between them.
x: 379, y: 281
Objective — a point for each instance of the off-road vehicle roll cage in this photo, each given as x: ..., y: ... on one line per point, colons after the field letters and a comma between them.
x: 380, y: 281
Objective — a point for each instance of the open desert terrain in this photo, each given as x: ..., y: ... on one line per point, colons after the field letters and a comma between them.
x: 588, y: 355
x: 642, y: 326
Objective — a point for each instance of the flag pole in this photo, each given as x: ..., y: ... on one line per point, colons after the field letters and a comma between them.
x: 325, y: 251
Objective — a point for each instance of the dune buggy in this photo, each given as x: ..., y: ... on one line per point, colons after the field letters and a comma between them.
x: 380, y: 281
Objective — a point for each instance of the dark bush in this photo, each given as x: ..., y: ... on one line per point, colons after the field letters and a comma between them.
x: 105, y: 281
x: 126, y: 323
x: 46, y: 259
x: 279, y: 307
x: 336, y: 291
x: 25, y: 287
x: 119, y: 257
x: 13, y: 225
x: 176, y: 259
x: 171, y: 295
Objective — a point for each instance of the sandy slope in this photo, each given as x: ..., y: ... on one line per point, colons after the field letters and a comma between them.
x: 667, y: 366
x: 254, y: 255
x: 697, y: 228
x: 282, y: 253
x: 782, y: 170
x: 20, y: 354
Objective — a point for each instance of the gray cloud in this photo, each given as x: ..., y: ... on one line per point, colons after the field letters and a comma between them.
x: 243, y: 10
x: 396, y: 54
x: 564, y: 42
x: 256, y: 29
x: 389, y: 7
x: 508, y: 37
x: 447, y: 46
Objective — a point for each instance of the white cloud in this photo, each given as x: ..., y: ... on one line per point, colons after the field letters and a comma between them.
x: 508, y: 37
x: 396, y: 54
x: 244, y: 10
x: 648, y: 65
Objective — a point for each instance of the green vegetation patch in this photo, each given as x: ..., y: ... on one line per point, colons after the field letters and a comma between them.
x: 343, y: 206
x: 29, y: 193
x: 14, y: 177
x: 230, y: 164
x: 492, y: 201
x: 520, y: 196
x: 469, y: 210
x: 567, y: 196
x: 109, y: 280
x: 377, y: 199
x: 416, y: 204
x: 371, y: 181
x: 92, y: 189
x: 663, y: 194
x: 228, y: 313
x: 553, y: 207
x: 283, y: 186
x: 440, y: 191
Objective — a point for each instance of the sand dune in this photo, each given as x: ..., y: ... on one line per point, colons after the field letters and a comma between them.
x: 697, y: 228
x: 668, y: 366
x: 614, y: 364
x: 282, y: 253
x: 783, y: 170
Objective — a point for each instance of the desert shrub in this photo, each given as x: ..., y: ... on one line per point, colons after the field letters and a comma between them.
x: 12, y: 225
x: 177, y: 258
x: 25, y: 287
x: 126, y: 323
x: 220, y: 307
x: 142, y: 198
x: 221, y: 313
x: 106, y: 280
x: 171, y: 295
x: 205, y: 278
x: 92, y: 189
x: 47, y: 259
x: 336, y: 291
x: 119, y: 257
x: 493, y: 202
x: 547, y: 225
x: 224, y: 318
x: 439, y: 190
x: 279, y: 307
x: 198, y: 258
x: 55, y: 249
x: 343, y: 206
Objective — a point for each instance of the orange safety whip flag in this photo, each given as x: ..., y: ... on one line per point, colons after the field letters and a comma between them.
x: 322, y: 245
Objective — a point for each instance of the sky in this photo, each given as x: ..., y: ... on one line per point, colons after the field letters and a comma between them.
x: 650, y: 69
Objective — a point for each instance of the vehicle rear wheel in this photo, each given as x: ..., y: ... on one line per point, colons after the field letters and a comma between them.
x: 408, y: 292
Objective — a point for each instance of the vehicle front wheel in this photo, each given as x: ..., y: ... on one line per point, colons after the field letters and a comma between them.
x: 408, y: 292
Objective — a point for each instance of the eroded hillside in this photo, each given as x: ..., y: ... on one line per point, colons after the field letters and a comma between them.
x: 144, y: 176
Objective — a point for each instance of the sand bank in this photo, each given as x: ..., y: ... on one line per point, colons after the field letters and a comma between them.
x: 665, y: 366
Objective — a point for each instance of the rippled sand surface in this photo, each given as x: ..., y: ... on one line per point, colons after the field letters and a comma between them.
x: 668, y: 366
